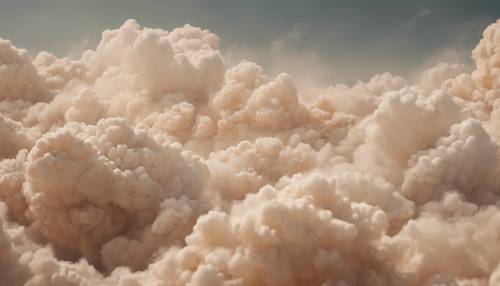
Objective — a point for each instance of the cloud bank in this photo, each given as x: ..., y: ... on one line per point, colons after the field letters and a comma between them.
x: 149, y: 161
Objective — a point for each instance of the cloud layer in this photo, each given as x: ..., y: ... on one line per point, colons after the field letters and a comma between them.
x: 149, y: 161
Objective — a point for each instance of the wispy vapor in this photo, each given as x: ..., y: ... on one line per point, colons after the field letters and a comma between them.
x: 412, y: 23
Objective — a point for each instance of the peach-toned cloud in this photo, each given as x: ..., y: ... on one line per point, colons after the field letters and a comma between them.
x: 150, y: 160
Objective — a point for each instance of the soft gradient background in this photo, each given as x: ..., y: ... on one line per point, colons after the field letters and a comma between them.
x: 335, y: 41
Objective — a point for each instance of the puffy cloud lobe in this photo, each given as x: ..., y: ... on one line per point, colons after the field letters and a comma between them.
x: 186, y: 59
x: 11, y: 270
x: 302, y: 234
x: 147, y: 162
x: 11, y: 181
x: 14, y: 137
x: 244, y: 105
x: 465, y: 160
x: 389, y: 142
x: 86, y: 108
x: 433, y: 244
x: 434, y: 77
x: 246, y: 167
x: 19, y: 79
x: 57, y: 73
x: 362, y: 98
x: 86, y: 184
x: 487, y: 58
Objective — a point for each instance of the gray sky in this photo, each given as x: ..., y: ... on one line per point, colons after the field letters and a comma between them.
x: 331, y: 41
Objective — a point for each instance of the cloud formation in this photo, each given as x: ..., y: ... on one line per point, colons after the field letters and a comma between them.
x: 149, y: 161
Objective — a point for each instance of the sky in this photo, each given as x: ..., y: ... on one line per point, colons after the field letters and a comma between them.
x: 340, y: 40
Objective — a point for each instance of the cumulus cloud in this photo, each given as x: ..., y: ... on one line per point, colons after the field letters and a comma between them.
x: 150, y: 160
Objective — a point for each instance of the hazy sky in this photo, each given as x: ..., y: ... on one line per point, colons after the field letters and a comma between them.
x: 340, y: 40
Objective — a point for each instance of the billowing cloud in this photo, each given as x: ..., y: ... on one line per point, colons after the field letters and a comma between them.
x: 151, y: 161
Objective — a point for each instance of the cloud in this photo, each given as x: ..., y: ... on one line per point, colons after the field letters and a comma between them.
x: 152, y: 159
x: 412, y: 23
